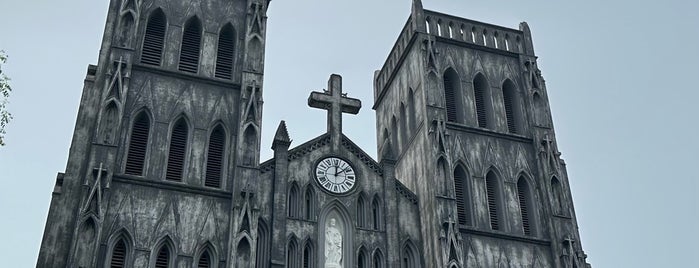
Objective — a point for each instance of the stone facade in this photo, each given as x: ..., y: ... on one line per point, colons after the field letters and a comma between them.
x: 164, y: 167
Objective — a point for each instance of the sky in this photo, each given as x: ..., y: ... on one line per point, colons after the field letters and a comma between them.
x: 621, y: 79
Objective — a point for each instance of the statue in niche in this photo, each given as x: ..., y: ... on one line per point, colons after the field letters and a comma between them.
x: 333, y: 245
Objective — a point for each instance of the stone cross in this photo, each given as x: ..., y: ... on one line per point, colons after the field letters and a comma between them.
x: 336, y: 103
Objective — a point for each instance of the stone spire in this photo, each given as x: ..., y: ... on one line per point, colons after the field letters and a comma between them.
x: 282, y: 136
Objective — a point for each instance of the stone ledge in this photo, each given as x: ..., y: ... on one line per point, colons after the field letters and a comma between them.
x: 180, y: 187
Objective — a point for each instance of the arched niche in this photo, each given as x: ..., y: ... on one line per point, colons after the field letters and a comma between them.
x: 335, y: 225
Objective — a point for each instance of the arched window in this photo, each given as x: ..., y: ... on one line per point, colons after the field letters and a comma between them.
x: 525, y: 206
x: 481, y: 94
x: 404, y: 126
x: 162, y: 260
x: 493, y: 197
x: 409, y: 258
x: 191, y: 44
x: 511, y: 103
x: 310, y: 203
x: 119, y: 254
x: 452, y: 96
x: 412, y: 111
x: 154, y: 39
x: 178, y: 150
x: 308, y: 255
x: 138, y: 145
x: 394, y: 135
x: 226, y: 52
x: 263, y: 245
x: 462, y: 195
x: 214, y: 157
x: 361, y: 211
x: 376, y: 213
x: 362, y: 260
x: 557, y: 195
x: 293, y: 204
x: 378, y: 259
x: 204, y: 260
x: 292, y: 257
x: 442, y: 175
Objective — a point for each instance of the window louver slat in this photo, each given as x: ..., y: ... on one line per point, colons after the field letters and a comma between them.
x: 136, y: 155
x: 492, y: 205
x: 154, y: 40
x: 521, y: 192
x: 191, y: 42
x: 480, y: 104
x: 450, y: 98
x: 204, y: 260
x: 118, y: 255
x: 459, y: 186
x: 163, y: 259
x: 178, y: 145
x: 214, y: 162
x: 225, y: 54
x: 509, y: 112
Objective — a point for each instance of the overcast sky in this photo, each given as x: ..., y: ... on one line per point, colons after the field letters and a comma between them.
x: 621, y: 78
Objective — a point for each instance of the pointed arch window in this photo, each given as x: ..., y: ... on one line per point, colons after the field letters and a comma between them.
x: 177, y: 151
x: 394, y: 135
x: 525, y: 205
x: 376, y: 213
x: 409, y: 257
x: 483, y: 107
x: 204, y: 260
x: 191, y: 45
x: 557, y: 195
x: 119, y: 255
x: 378, y: 259
x: 225, y: 52
x: 462, y: 195
x: 214, y: 159
x: 292, y: 254
x: 152, y: 51
x: 511, y: 103
x: 263, y: 245
x: 293, y: 205
x: 403, y: 126
x: 138, y: 144
x: 309, y: 203
x: 452, y: 96
x: 162, y: 260
x: 362, y: 260
x: 493, y: 197
x: 361, y: 211
x: 308, y: 255
x: 412, y: 111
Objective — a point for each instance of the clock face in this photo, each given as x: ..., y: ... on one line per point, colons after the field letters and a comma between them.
x: 335, y: 175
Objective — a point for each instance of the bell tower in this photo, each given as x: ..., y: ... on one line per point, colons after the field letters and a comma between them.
x: 462, y: 107
x: 165, y: 150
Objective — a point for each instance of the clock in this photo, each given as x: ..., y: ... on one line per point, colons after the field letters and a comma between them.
x: 335, y: 175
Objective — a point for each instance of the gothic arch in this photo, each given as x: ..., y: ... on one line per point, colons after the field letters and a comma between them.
x: 164, y: 252
x: 404, y: 132
x: 206, y: 254
x: 412, y: 110
x: 225, y: 52
x: 377, y: 212
x: 462, y: 190
x: 336, y: 210
x: 109, y: 123
x: 513, y: 107
x: 363, y: 260
x: 309, y: 199
x: 114, y: 256
x: 494, y: 198
x: 190, y: 47
x: 138, y: 141
x: 85, y: 244
x: 377, y: 259
x: 249, y: 145
x: 178, y: 148
x: 216, y: 152
x: 557, y: 192
x: 483, y: 100
x: 394, y: 135
x: 309, y: 254
x: 254, y: 52
x: 154, y: 38
x: 527, y: 205
x: 292, y: 249
x: 293, y: 201
x: 409, y: 255
x: 126, y: 29
x: 263, y: 244
x: 362, y: 214
x: 443, y: 174
x: 453, y: 96
x: 243, y: 252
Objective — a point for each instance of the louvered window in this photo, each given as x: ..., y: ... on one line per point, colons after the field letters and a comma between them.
x: 191, y: 44
x: 204, y: 260
x: 154, y: 39
x: 479, y: 88
x: 163, y: 258
x: 178, y: 149
x: 508, y: 98
x: 450, y: 95
x: 214, y: 160
x: 523, y: 194
x: 118, y: 255
x: 461, y: 195
x: 225, y: 53
x: 491, y: 189
x: 138, y: 145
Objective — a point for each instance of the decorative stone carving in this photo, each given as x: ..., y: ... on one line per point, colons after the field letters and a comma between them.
x: 333, y: 245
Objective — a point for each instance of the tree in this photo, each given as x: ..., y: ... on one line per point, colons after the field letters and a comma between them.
x: 5, y: 90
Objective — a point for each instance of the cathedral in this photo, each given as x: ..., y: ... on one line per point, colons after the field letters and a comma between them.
x: 164, y: 168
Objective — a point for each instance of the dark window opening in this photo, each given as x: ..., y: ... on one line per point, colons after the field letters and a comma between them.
x: 178, y: 151
x: 154, y: 39
x: 191, y: 44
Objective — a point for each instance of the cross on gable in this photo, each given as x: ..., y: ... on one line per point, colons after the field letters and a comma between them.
x: 336, y: 103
